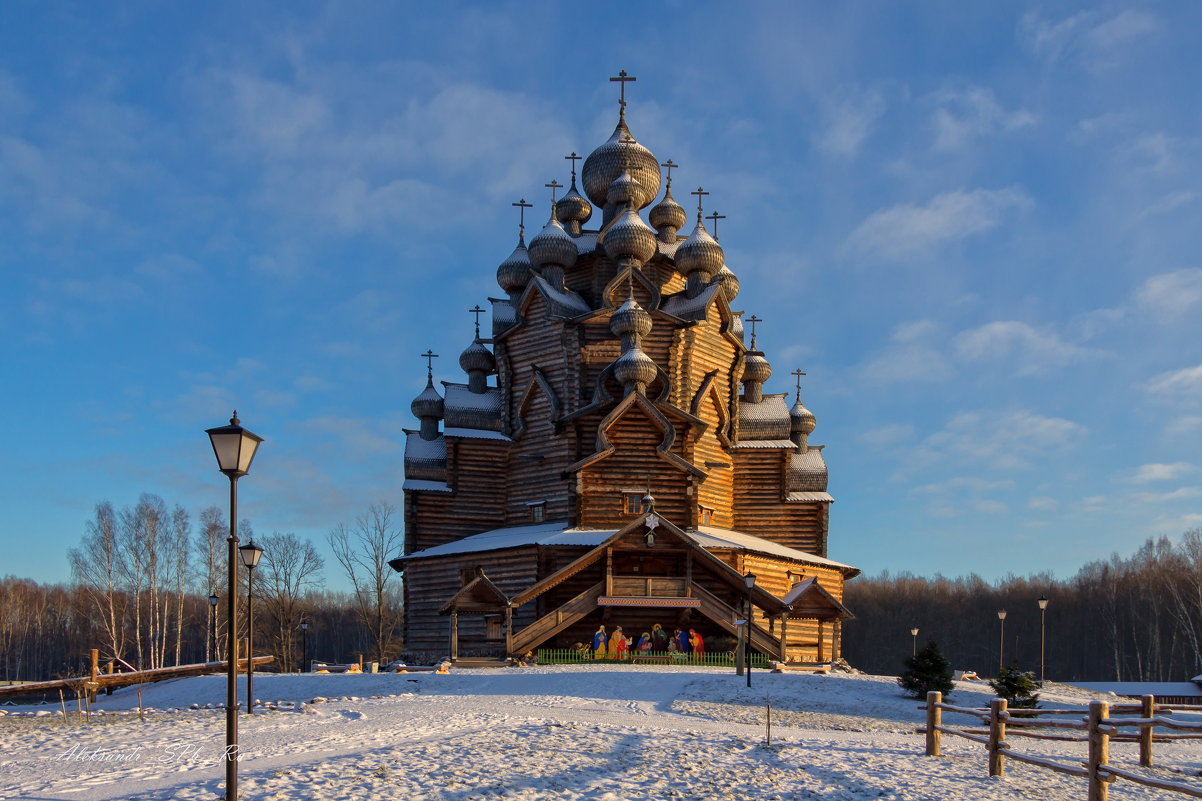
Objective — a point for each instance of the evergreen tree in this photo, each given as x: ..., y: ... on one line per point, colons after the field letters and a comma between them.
x: 1017, y: 687
x: 925, y: 671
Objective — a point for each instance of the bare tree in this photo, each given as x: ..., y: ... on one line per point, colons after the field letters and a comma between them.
x: 96, y: 566
x: 290, y: 567
x: 364, y: 552
x: 209, y: 541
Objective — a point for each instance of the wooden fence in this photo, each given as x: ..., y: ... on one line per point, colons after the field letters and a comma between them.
x: 570, y: 656
x: 1100, y: 727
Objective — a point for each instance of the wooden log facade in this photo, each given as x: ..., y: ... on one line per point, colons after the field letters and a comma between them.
x: 626, y: 468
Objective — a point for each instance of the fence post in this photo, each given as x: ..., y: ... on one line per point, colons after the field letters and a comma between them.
x: 1147, y: 705
x: 934, y: 721
x: 997, y: 736
x: 1099, y: 750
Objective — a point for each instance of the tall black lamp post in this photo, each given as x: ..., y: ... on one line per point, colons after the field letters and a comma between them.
x: 1043, y: 609
x: 305, y: 645
x: 749, y: 580
x: 235, y: 449
x: 1001, y: 639
x: 212, y: 655
x: 250, y: 554
x: 914, y: 641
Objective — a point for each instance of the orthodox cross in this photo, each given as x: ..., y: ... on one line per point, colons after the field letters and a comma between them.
x: 700, y: 193
x: 715, y: 217
x: 669, y: 165
x: 574, y: 158
x: 476, y: 310
x: 522, y: 206
x: 622, y: 80
x: 553, y: 186
x: 753, y: 320
x: 430, y: 356
x: 799, y: 374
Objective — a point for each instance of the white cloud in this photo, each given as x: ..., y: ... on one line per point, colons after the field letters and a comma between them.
x: 908, y: 230
x: 966, y: 483
x: 997, y: 440
x: 911, y: 355
x: 1179, y: 385
x: 1097, y: 42
x: 1043, y: 503
x: 1161, y: 472
x: 991, y: 507
x: 1169, y: 295
x: 1166, y: 497
x: 973, y: 112
x: 1188, y: 424
x: 847, y: 122
x: 1032, y: 350
x: 887, y: 436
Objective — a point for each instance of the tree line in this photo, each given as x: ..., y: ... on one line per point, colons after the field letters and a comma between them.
x: 142, y: 577
x: 1133, y: 618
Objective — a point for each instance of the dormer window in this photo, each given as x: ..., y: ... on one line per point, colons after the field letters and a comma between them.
x: 538, y: 511
x: 707, y: 516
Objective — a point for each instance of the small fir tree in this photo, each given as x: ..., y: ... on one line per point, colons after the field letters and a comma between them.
x: 925, y: 671
x: 1017, y: 687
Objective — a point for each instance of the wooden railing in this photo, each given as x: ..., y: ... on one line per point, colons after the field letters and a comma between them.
x: 1099, y: 725
x: 650, y: 587
x: 556, y: 620
x: 725, y: 615
x: 570, y: 656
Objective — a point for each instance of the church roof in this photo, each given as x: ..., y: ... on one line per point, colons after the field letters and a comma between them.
x: 768, y: 419
x: 558, y: 533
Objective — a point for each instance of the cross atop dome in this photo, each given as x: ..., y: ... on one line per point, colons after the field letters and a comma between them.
x: 669, y: 165
x: 715, y: 217
x: 476, y: 310
x: 622, y: 80
x: 700, y: 193
x: 554, y: 185
x: 798, y: 372
x: 430, y: 356
x: 522, y: 205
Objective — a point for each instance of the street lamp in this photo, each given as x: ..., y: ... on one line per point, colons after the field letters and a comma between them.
x: 1043, y: 609
x: 305, y: 643
x: 213, y: 599
x: 1001, y: 643
x: 914, y: 643
x: 234, y: 448
x: 749, y: 580
x: 250, y: 554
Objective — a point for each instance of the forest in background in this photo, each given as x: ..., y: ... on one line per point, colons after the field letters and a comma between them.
x: 1134, y: 618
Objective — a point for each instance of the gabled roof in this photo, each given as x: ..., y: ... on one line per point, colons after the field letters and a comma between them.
x: 713, y: 537
x: 478, y: 595
x: 638, y: 528
x: 658, y: 413
x: 809, y: 599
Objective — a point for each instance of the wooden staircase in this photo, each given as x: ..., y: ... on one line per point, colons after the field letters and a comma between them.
x: 725, y: 616
x: 554, y: 622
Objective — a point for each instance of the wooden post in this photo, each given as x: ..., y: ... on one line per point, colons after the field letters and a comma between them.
x: 997, y: 737
x: 784, y: 637
x: 1147, y: 704
x: 934, y: 721
x: 509, y: 631
x: 821, y: 651
x: 837, y: 646
x: 95, y: 664
x: 609, y: 571
x: 454, y: 636
x: 1099, y: 750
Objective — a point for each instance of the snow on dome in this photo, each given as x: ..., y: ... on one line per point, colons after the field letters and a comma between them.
x: 630, y: 318
x: 477, y: 358
x: 629, y: 237
x: 429, y: 403
x: 620, y: 153
x: 552, y: 246
x: 514, y: 272
x: 700, y: 252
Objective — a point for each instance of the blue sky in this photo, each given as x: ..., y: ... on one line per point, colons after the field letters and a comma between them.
x: 976, y: 226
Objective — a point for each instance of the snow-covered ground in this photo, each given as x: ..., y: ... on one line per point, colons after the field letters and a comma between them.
x: 611, y: 733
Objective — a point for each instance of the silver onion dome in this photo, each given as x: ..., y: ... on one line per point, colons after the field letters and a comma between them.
x: 428, y: 403
x: 623, y: 189
x: 621, y: 152
x: 635, y: 367
x: 514, y: 272
x: 801, y: 419
x: 629, y: 237
x: 573, y: 210
x: 477, y: 358
x: 552, y: 245
x: 630, y: 318
x: 668, y: 214
x: 756, y: 368
x: 730, y: 283
x: 700, y: 252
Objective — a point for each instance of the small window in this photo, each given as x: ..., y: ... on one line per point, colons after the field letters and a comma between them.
x: 538, y: 512
x: 632, y: 502
x: 707, y: 516
x: 466, y: 574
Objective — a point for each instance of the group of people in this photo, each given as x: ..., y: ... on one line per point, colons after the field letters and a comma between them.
x: 616, y: 645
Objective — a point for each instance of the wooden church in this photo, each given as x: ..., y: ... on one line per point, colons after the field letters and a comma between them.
x: 625, y: 467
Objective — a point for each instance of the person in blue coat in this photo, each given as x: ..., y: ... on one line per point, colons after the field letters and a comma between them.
x: 682, y: 641
x: 600, y: 644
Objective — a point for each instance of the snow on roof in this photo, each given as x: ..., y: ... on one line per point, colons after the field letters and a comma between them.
x: 711, y: 537
x: 820, y: 497
x: 1132, y: 688
x: 550, y: 533
x: 425, y: 449
x: 694, y: 308
x: 766, y: 443
x: 418, y: 485
x: 669, y: 248
x: 563, y: 302
x: 769, y: 419
x: 474, y: 433
x: 458, y: 396
x: 586, y: 242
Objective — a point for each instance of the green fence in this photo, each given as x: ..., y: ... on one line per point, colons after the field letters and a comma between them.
x: 570, y: 656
